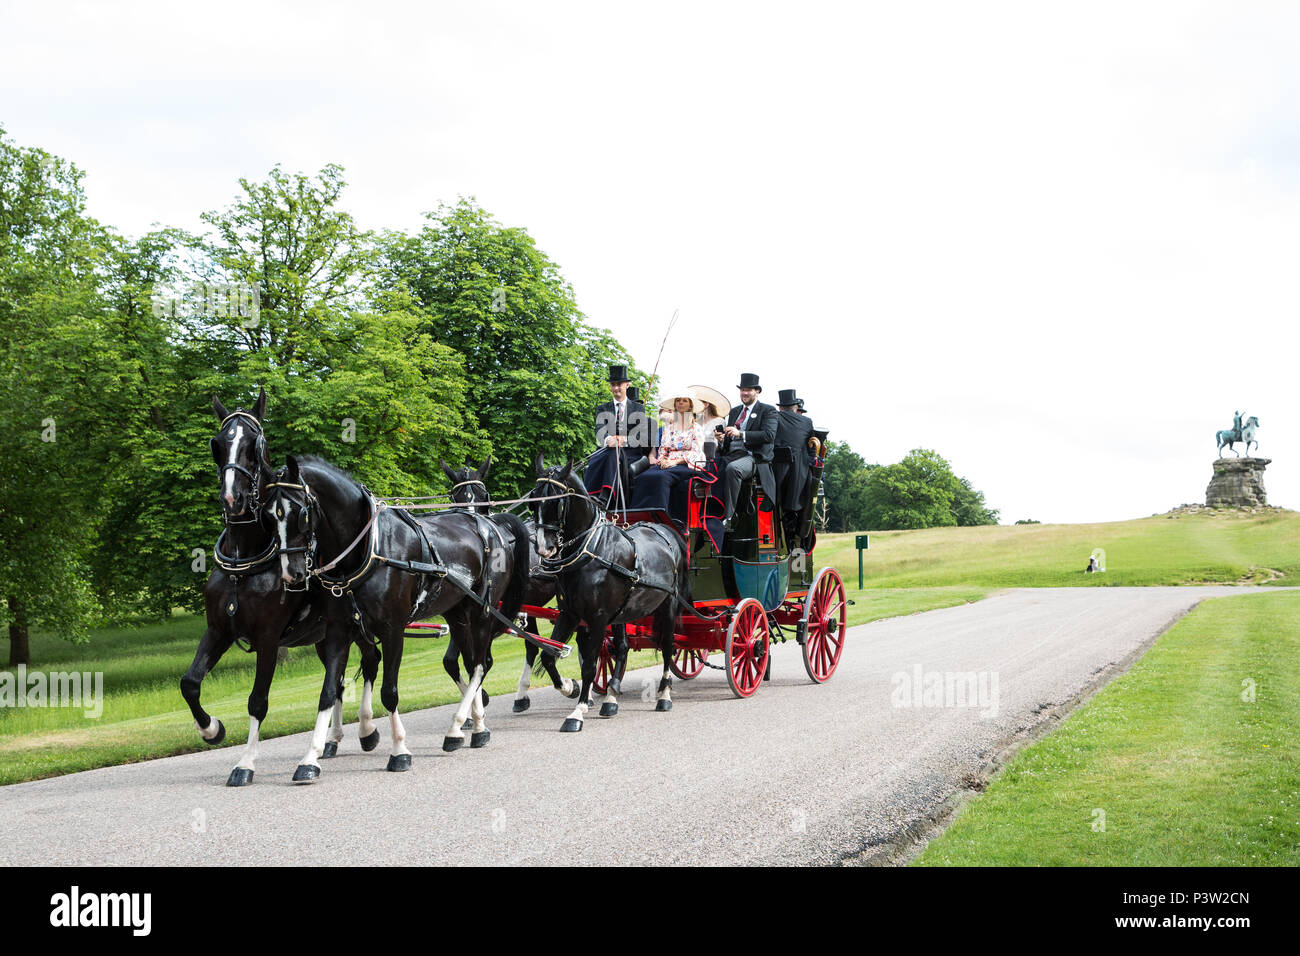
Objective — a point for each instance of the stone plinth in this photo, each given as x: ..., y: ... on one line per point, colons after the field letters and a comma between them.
x: 1237, y: 483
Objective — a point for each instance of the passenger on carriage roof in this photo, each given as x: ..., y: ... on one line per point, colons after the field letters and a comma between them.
x: 746, y: 443
x: 793, y: 431
x: 678, y: 457
x: 623, y: 432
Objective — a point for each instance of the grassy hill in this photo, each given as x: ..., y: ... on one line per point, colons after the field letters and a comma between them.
x: 1209, y: 547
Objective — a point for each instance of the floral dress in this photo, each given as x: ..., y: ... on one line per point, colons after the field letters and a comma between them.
x: 682, y: 446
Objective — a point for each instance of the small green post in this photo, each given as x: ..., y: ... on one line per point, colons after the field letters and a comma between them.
x: 864, y: 542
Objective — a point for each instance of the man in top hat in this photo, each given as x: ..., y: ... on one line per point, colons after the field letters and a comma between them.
x: 623, y: 432
x: 793, y: 431
x: 746, y: 443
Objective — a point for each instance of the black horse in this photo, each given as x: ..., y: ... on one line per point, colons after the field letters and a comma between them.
x: 468, y: 488
x: 246, y: 597
x: 385, y: 570
x: 607, y: 576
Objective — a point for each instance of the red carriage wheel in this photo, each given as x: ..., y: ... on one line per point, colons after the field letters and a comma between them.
x: 747, y: 648
x: 825, y: 615
x: 605, y: 669
x: 688, y: 662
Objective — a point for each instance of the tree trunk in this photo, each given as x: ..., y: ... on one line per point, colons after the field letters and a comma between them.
x: 19, y: 652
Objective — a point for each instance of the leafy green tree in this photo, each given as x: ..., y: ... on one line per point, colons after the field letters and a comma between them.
x: 917, y: 492
x: 844, y: 478
x: 58, y: 387
x: 968, y: 506
x: 350, y: 371
x: 534, y: 369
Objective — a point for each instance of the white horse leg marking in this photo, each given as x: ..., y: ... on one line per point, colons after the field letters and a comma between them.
x: 249, y: 756
x: 525, y: 682
x: 579, y: 713
x: 477, y: 711
x: 336, y: 722
x: 566, y: 686
x: 399, y: 735
x: 318, y: 738
x: 213, y: 725
x: 666, y: 692
x: 366, y: 714
x: 466, y: 702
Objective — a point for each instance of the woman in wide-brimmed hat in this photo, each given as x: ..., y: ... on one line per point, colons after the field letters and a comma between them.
x: 680, y: 453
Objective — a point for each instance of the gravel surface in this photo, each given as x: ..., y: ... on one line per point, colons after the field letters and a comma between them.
x: 799, y: 773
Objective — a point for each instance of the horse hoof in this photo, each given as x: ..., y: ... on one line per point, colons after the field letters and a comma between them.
x: 615, y: 686
x: 240, y: 777
x: 398, y: 763
x: 576, y: 690
x: 522, y: 704
x: 571, y: 726
x: 608, y: 709
x: 450, y: 744
x: 220, y: 736
x: 370, y: 741
x: 331, y: 750
x: 663, y: 705
x: 306, y: 773
x: 480, y: 739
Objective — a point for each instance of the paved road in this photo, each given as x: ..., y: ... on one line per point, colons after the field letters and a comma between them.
x: 797, y: 774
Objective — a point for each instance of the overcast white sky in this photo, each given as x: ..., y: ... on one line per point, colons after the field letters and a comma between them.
x: 1058, y: 244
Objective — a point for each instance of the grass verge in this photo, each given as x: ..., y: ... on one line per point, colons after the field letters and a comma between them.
x: 1171, y: 764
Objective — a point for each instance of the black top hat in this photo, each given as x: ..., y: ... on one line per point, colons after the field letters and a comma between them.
x: 618, y: 373
x: 749, y: 380
x: 787, y: 397
x: 799, y: 401
x: 633, y: 393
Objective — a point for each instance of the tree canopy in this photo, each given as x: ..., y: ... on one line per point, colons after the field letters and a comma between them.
x: 384, y: 354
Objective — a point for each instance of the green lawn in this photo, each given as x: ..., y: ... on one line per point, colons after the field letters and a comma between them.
x: 145, y: 717
x: 1184, y: 769
x: 1224, y: 547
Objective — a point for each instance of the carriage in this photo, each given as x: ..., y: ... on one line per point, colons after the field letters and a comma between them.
x: 753, y: 586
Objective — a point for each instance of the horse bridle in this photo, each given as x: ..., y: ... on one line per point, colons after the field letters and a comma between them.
x: 562, y: 514
x: 307, y: 518
x: 254, y: 477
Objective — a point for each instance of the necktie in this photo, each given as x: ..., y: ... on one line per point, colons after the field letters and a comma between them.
x: 618, y: 418
x: 744, y: 413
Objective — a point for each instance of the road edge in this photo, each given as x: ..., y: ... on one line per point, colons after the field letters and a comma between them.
x: 910, y: 840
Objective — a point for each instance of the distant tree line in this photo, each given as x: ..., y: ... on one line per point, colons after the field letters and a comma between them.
x: 382, y: 352
x: 921, y: 491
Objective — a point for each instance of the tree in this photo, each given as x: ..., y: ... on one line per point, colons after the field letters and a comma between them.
x: 281, y: 295
x: 844, y: 477
x: 918, y: 492
x: 534, y: 369
x: 968, y: 506
x: 58, y: 386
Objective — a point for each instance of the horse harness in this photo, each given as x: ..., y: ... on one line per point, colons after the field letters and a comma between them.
x: 585, y: 553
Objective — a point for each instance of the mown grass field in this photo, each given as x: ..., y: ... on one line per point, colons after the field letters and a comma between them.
x: 1186, y: 769
x: 1222, y: 547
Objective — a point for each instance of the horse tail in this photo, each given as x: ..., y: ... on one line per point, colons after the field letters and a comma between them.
x: 513, y: 599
